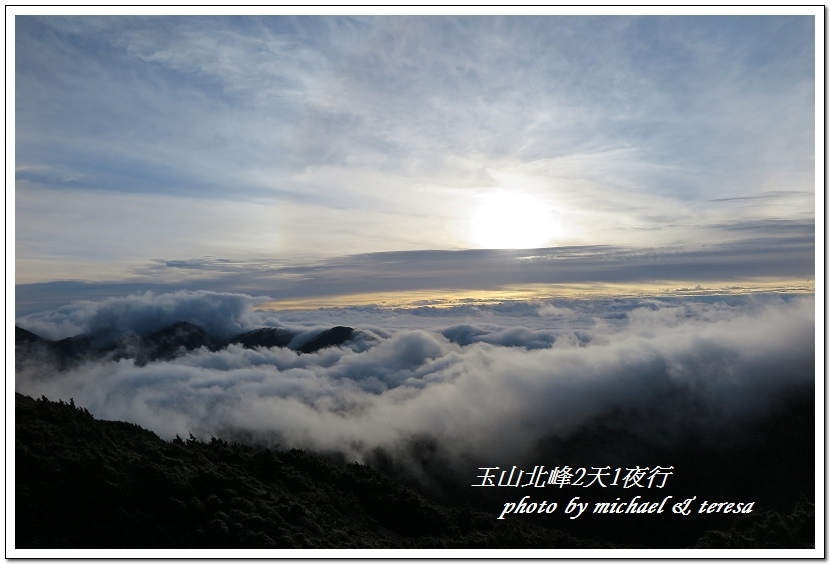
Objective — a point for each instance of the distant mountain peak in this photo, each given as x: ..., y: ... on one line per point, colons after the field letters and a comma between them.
x: 264, y: 337
x: 333, y: 337
x: 165, y: 344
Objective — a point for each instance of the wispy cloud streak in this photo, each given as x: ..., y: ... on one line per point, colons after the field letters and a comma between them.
x: 304, y: 136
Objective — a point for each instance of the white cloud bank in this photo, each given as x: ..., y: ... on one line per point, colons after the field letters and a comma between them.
x: 472, y: 380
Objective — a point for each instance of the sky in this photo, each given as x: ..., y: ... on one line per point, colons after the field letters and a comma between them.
x: 303, y: 158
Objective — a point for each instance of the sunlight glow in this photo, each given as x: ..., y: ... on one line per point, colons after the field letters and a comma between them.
x: 513, y: 220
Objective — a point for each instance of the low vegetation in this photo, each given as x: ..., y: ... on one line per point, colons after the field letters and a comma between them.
x: 86, y: 483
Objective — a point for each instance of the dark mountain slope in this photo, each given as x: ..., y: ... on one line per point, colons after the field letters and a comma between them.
x: 83, y: 483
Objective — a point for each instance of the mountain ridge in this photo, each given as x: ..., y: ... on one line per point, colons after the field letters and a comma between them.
x: 167, y: 343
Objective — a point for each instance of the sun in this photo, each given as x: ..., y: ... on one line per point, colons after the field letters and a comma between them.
x: 512, y: 220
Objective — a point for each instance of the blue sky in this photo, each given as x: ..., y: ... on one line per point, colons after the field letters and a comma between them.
x: 153, y: 150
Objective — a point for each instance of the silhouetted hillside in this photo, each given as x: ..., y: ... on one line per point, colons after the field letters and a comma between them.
x: 168, y: 342
x: 83, y: 483
x: 22, y: 336
x: 329, y: 338
x: 165, y: 344
x: 264, y: 337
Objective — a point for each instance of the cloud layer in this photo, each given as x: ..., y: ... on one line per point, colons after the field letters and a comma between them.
x: 781, y: 251
x: 472, y: 381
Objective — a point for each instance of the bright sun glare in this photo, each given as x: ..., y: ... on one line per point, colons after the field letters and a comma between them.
x: 512, y: 220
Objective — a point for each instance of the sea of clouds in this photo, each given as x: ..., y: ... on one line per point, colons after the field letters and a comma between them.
x: 470, y: 384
